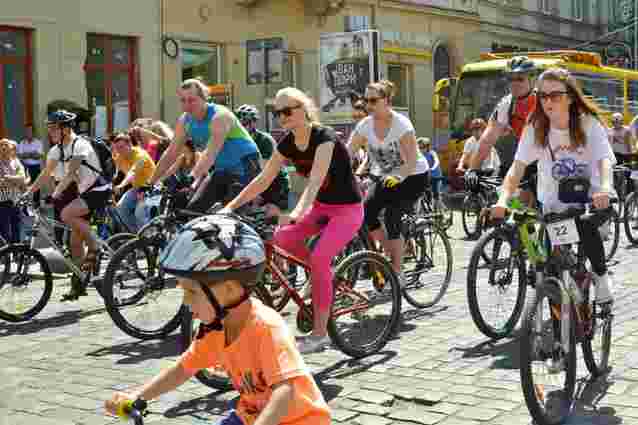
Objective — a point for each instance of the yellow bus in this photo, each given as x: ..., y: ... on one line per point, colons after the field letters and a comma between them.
x: 482, y: 84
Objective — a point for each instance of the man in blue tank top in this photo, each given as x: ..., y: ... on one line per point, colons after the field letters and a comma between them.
x: 230, y: 158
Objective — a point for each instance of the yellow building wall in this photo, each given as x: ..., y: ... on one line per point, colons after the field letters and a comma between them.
x: 59, y: 45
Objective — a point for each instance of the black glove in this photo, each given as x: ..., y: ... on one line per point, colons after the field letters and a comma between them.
x: 471, y: 180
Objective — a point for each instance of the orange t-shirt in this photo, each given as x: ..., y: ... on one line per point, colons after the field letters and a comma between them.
x: 263, y: 355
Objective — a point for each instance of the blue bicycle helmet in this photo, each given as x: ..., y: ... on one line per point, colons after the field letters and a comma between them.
x: 520, y: 65
x: 61, y: 117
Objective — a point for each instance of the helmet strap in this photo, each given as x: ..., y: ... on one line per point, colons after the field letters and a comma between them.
x: 220, y: 312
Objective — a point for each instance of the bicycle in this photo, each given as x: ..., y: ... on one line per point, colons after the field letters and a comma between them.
x: 476, y: 200
x: 22, y: 262
x: 359, y: 305
x: 559, y: 316
x: 431, y: 205
x: 630, y: 218
x: 505, y: 251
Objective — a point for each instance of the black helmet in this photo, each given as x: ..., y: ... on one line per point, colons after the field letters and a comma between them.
x: 61, y: 117
x: 520, y: 65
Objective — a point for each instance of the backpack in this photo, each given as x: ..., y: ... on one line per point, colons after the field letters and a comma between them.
x: 104, y: 156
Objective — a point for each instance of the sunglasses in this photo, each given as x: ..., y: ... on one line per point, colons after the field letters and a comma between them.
x: 371, y: 100
x: 287, y: 111
x: 554, y: 96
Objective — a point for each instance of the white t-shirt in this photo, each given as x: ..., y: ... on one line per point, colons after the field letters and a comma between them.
x: 35, y: 146
x: 493, y: 161
x: 85, y: 177
x: 385, y: 156
x: 581, y: 162
x: 58, y: 171
x: 617, y: 139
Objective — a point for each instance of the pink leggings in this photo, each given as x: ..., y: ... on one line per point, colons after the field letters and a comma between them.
x: 343, y: 222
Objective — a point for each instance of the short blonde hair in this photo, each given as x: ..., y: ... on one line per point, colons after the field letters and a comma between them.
x: 309, y: 106
x: 200, y: 88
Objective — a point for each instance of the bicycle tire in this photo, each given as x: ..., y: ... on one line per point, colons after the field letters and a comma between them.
x: 425, y: 242
x: 630, y: 218
x: 8, y: 256
x: 114, y: 242
x: 473, y: 293
x: 150, y: 249
x: 219, y: 381
x: 613, y: 239
x: 528, y: 348
x: 344, y: 297
x: 472, y: 203
x: 601, y: 366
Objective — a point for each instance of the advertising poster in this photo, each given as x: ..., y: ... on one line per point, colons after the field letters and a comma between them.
x: 348, y: 62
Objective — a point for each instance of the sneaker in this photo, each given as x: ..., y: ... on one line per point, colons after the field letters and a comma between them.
x: 78, y: 289
x: 603, y: 289
x: 312, y: 344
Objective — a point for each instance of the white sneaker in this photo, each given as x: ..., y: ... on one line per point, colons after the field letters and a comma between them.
x: 312, y: 344
x: 603, y: 289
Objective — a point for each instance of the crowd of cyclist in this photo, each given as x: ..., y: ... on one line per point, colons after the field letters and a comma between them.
x: 215, y: 154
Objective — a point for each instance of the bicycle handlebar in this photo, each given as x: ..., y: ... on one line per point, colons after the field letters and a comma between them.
x: 135, y: 410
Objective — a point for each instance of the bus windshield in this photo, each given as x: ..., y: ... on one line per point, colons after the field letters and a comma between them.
x: 477, y: 96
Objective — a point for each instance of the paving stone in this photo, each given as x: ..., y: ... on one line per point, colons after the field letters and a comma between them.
x: 416, y: 415
x: 477, y: 413
x: 342, y: 415
x: 371, y: 409
x: 370, y: 420
x: 375, y: 397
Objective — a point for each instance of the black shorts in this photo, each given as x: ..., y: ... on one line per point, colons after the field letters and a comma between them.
x: 96, y: 199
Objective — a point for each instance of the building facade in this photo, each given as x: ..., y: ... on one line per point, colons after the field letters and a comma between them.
x: 102, y: 57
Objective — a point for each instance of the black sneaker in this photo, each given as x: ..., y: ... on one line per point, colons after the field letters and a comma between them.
x: 78, y: 289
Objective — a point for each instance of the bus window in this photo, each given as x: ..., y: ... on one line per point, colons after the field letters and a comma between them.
x: 633, y: 97
x: 607, y: 92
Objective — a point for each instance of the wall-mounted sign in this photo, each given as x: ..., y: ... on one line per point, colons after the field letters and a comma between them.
x: 348, y: 62
x: 264, y: 61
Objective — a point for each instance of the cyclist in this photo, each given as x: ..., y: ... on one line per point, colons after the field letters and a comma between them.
x: 568, y: 141
x: 620, y: 138
x: 509, y: 116
x: 425, y: 146
x: 179, y: 178
x: 330, y: 203
x: 276, y: 196
x: 82, y: 166
x: 225, y: 143
x: 138, y: 167
x: 401, y: 171
x: 218, y: 260
x: 471, y: 146
x: 13, y: 180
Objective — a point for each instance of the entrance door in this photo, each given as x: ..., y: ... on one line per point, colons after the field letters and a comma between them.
x: 16, y: 101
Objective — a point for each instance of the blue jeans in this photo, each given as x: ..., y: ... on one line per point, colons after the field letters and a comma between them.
x: 10, y: 222
x: 134, y: 214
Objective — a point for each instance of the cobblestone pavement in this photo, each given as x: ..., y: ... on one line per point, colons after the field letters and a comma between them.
x: 59, y: 368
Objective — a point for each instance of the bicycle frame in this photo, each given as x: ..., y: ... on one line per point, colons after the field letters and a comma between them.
x: 46, y: 226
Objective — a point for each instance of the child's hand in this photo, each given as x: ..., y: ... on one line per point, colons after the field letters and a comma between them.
x: 116, y: 400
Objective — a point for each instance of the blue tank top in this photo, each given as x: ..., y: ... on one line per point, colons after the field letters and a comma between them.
x: 434, y: 172
x: 237, y: 145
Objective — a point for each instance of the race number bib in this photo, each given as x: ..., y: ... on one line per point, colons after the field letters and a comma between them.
x: 634, y: 175
x: 563, y: 232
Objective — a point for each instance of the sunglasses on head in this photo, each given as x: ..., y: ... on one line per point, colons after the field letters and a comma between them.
x: 287, y: 111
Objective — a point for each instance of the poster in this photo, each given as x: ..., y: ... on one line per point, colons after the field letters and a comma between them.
x: 264, y: 61
x: 348, y: 62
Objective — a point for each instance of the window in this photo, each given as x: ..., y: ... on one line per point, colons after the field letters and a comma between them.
x: 606, y: 92
x: 201, y: 61
x: 633, y: 97
x: 545, y: 6
x: 398, y: 74
x: 111, y: 82
x: 577, y: 10
x: 16, y: 84
x: 356, y: 23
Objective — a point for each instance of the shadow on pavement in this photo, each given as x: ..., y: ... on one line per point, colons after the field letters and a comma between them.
x: 505, y: 351
x: 201, y: 408
x: 139, y: 351
x: 57, y: 321
x: 587, y: 399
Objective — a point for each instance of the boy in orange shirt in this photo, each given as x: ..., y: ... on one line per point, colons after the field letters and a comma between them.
x: 217, y: 260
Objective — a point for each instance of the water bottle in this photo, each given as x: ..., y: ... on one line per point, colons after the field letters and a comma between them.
x: 100, y: 224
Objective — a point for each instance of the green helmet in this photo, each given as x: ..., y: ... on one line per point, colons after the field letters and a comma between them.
x: 247, y: 113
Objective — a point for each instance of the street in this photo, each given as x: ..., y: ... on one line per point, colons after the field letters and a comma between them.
x: 59, y: 368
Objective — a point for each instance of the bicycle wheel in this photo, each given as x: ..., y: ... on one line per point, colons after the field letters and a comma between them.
x: 471, y: 215
x: 279, y: 294
x: 212, y: 377
x: 114, y: 242
x: 596, y: 343
x: 427, y: 267
x: 548, y: 373
x: 365, y: 311
x: 631, y: 218
x: 25, y: 283
x: 497, y: 304
x: 611, y: 235
x: 141, y: 299
x: 446, y: 215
